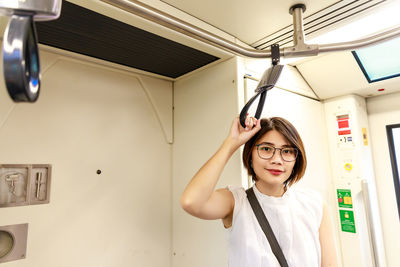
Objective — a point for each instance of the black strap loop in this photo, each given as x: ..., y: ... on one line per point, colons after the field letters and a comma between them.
x: 267, y: 82
x: 243, y: 113
x: 263, y: 221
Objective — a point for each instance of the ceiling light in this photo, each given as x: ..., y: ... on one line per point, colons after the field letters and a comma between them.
x: 385, y: 17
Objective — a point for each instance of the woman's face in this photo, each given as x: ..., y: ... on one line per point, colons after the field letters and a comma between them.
x: 273, y: 171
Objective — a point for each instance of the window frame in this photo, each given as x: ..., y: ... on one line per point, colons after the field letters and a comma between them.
x: 364, y: 71
x: 394, y: 162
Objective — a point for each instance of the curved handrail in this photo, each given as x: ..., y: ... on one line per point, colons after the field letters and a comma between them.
x: 300, y: 49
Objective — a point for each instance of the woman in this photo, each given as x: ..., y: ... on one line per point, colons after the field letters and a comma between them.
x: 275, y: 158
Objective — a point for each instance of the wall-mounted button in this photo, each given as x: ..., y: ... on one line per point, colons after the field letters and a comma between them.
x: 348, y: 166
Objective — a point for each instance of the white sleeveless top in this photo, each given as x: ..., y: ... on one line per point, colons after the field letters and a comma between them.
x: 295, y: 219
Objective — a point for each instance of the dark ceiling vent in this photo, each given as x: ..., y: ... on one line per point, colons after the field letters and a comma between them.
x: 83, y: 31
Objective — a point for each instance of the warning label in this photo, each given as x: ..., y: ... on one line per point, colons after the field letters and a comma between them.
x: 344, y: 198
x: 343, y: 125
x: 347, y: 221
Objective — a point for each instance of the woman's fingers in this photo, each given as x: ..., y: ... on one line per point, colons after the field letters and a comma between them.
x: 251, y: 129
x: 257, y: 125
x: 250, y: 122
x: 239, y: 135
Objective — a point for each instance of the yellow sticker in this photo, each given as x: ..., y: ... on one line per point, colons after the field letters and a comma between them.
x: 347, y: 200
x: 365, y: 137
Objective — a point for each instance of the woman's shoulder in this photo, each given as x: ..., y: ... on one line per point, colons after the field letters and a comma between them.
x: 238, y: 192
x: 240, y: 204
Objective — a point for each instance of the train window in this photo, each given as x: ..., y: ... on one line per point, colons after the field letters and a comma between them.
x: 379, y: 62
x: 393, y: 134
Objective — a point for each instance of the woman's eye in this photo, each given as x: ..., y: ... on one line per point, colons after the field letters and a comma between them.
x: 266, y: 148
x: 287, y: 151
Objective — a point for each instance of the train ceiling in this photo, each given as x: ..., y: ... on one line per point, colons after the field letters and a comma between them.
x: 97, y: 29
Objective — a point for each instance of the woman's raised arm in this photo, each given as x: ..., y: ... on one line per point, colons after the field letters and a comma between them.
x: 200, y: 198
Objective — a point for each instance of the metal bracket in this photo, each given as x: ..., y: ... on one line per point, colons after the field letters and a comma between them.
x: 275, y: 54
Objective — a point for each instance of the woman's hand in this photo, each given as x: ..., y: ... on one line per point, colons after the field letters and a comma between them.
x: 239, y: 135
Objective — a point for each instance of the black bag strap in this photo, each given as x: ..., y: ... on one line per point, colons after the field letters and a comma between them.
x: 262, y: 220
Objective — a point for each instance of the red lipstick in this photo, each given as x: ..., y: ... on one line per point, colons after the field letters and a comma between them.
x: 274, y: 172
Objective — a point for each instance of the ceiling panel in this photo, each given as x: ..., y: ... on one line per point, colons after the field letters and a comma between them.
x: 341, y: 75
x: 249, y: 21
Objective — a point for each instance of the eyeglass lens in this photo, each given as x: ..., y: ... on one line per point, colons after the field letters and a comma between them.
x: 267, y: 151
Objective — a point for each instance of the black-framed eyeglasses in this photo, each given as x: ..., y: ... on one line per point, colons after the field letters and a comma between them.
x: 266, y: 151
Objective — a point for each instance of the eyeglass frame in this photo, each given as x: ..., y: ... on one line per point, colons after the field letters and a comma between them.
x: 280, y: 151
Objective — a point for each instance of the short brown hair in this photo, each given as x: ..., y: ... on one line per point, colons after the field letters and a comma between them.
x: 290, y: 133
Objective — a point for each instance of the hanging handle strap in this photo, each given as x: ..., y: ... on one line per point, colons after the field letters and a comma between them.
x: 262, y: 220
x: 267, y: 82
x: 245, y: 109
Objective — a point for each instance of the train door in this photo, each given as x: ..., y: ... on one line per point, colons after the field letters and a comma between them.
x: 384, y: 117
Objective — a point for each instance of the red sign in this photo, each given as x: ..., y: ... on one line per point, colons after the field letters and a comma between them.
x: 343, y: 125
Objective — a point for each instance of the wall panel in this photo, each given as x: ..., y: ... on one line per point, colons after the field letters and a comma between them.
x: 205, y: 105
x: 91, y: 118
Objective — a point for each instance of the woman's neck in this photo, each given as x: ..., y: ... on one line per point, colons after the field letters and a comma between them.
x: 270, y: 190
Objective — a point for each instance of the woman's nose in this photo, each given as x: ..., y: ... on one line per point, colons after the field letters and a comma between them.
x: 276, y: 157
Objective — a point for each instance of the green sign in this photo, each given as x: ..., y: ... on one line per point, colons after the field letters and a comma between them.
x: 347, y: 221
x: 344, y: 198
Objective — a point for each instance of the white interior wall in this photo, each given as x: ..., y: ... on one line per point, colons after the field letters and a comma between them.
x: 91, y: 117
x: 204, y: 106
x: 382, y: 111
